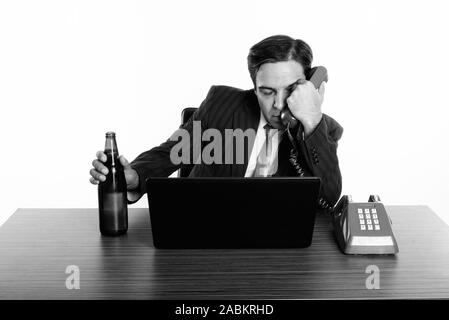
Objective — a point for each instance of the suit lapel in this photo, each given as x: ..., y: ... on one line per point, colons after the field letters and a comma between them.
x: 246, y: 117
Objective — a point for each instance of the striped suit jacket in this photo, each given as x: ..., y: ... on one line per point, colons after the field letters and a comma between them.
x: 232, y: 108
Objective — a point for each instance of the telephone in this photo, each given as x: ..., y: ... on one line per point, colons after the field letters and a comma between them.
x: 316, y: 75
x: 363, y: 227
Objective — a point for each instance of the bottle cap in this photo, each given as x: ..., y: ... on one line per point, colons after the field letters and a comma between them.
x: 110, y: 134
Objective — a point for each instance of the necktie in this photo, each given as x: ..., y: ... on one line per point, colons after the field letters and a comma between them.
x: 263, y: 159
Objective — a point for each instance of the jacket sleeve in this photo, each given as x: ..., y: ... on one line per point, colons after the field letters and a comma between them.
x: 320, y: 149
x: 157, y: 162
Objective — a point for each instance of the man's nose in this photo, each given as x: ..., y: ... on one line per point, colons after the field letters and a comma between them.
x: 279, y: 102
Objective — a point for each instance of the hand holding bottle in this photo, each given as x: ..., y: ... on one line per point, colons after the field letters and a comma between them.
x: 99, y: 171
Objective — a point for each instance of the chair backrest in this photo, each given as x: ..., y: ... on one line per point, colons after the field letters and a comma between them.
x: 185, y: 116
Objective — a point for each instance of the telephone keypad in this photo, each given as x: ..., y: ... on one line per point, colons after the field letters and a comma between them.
x: 368, y: 219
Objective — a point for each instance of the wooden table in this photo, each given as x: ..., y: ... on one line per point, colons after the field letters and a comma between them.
x: 37, y: 245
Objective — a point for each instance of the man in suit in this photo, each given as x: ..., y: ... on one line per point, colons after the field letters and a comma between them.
x: 278, y: 66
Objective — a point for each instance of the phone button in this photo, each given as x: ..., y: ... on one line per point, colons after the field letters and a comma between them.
x: 376, y: 221
x: 368, y: 221
x: 377, y: 227
x: 359, y: 210
x: 370, y: 227
x: 361, y: 216
x: 362, y: 227
x: 362, y: 221
x: 374, y: 216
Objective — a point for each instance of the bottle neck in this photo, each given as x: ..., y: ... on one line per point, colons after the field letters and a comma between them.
x: 111, y: 150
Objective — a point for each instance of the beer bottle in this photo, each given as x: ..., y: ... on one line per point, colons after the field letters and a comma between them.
x: 112, y: 194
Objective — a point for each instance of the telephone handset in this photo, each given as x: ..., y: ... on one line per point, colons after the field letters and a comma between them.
x: 363, y: 227
x: 316, y: 75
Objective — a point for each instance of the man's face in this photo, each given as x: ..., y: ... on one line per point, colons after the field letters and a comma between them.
x: 274, y: 82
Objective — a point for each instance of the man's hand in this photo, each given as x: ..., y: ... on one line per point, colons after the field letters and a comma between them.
x: 99, y: 171
x: 305, y: 104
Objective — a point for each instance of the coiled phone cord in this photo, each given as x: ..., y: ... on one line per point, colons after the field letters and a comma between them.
x: 322, y: 203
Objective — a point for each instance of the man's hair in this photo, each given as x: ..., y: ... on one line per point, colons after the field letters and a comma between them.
x: 278, y: 48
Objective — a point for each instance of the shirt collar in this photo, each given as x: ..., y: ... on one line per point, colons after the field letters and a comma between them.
x: 263, y: 122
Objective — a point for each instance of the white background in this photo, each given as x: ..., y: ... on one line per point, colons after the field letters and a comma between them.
x: 72, y: 70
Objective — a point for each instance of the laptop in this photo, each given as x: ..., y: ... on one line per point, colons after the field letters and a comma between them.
x: 196, y: 213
